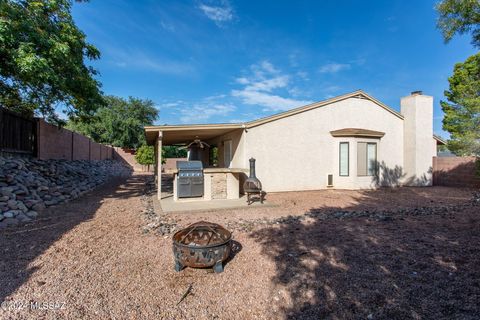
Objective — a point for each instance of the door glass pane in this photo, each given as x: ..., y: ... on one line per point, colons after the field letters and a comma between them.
x: 371, y: 158
x: 344, y: 158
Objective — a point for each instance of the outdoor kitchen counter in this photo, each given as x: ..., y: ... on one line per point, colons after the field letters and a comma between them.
x: 213, y: 170
x: 219, y: 183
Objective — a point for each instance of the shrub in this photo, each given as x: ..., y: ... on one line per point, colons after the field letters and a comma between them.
x: 145, y: 155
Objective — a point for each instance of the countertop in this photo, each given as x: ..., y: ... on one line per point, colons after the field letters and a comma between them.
x: 213, y: 170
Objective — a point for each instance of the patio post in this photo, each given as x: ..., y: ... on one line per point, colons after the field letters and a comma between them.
x: 159, y: 165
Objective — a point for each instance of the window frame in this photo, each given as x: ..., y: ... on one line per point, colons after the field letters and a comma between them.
x: 340, y: 159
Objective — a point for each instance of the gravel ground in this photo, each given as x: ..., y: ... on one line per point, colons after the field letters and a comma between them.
x: 92, y: 259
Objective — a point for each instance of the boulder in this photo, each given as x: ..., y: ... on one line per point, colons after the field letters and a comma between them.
x: 23, y: 218
x: 40, y: 206
x: 31, y: 214
x: 12, y: 204
x: 9, y: 214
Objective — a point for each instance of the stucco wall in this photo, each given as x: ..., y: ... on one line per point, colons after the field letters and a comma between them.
x: 298, y: 152
x: 238, y: 148
x: 418, y: 146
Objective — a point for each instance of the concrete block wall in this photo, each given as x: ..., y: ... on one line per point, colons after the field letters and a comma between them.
x: 127, y: 156
x: 53, y: 142
x: 455, y: 172
x: 81, y: 147
x: 59, y: 143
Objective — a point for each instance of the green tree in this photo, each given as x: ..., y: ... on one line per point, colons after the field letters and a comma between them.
x: 459, y: 17
x: 173, y: 152
x: 42, y: 60
x: 119, y: 123
x: 145, y: 155
x: 462, y: 111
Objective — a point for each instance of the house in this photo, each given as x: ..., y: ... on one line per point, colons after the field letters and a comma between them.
x: 352, y: 141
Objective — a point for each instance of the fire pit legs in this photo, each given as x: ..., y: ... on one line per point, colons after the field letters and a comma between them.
x: 218, y: 267
x: 250, y: 200
x: 178, y: 266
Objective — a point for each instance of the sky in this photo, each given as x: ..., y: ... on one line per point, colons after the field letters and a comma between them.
x: 234, y: 61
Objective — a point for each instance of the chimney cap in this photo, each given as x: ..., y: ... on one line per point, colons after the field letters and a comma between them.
x: 416, y: 93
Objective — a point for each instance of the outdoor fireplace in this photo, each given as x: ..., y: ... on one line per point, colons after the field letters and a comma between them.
x: 252, y: 185
x: 202, y: 245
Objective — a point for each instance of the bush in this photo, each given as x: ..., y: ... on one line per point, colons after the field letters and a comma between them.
x: 145, y: 155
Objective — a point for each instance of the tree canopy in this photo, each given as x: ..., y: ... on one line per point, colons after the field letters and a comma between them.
x: 42, y: 60
x: 459, y: 17
x: 462, y: 111
x: 119, y: 123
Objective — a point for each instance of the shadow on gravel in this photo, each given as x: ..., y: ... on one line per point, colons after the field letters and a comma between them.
x: 415, y: 267
x: 19, y: 246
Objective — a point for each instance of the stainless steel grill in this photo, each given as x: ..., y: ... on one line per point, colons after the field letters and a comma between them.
x: 189, y: 179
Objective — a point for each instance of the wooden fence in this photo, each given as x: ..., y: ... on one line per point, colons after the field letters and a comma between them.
x: 17, y: 134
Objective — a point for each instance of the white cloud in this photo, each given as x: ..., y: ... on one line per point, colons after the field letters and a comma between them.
x: 259, y: 88
x: 209, y: 109
x: 219, y: 14
x: 167, y: 26
x: 202, y: 112
x: 268, y: 84
x: 271, y: 102
x: 334, y: 67
x: 137, y: 59
x: 170, y: 104
x: 331, y: 88
x: 303, y: 75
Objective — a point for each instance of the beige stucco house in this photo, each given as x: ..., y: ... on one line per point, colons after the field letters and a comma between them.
x: 351, y: 141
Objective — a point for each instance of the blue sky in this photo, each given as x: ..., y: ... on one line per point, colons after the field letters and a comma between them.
x: 233, y: 61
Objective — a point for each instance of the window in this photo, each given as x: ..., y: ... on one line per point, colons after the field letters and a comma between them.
x: 344, y: 159
x: 227, y: 153
x: 366, y: 158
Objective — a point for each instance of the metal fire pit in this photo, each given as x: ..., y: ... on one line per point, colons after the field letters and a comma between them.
x: 202, y: 245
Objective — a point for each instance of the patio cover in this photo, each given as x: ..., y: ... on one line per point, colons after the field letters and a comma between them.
x: 178, y: 134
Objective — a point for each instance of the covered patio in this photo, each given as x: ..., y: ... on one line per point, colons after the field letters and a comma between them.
x: 221, y: 154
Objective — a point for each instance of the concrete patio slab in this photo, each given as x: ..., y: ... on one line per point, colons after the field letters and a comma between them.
x: 167, y: 204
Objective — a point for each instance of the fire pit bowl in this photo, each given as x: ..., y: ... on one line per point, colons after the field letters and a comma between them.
x: 202, y: 245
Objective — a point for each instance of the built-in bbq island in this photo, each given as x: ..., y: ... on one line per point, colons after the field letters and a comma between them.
x: 213, y: 182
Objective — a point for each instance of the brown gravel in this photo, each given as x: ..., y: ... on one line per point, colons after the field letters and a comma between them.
x: 91, y: 257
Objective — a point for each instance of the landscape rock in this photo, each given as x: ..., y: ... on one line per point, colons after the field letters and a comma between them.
x: 31, y: 214
x: 9, y: 214
x: 39, y: 206
x: 12, y: 204
x: 10, y: 222
x: 28, y: 186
